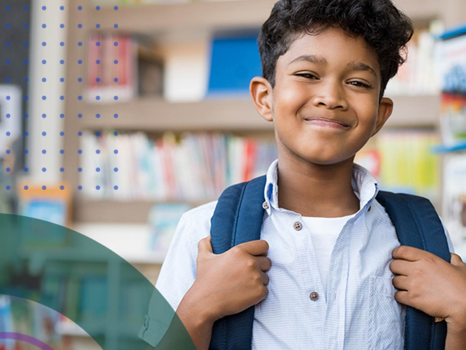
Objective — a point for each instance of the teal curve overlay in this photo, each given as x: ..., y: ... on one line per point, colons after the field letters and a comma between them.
x: 89, y: 284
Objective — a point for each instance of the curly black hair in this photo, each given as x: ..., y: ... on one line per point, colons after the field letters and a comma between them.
x: 384, y: 28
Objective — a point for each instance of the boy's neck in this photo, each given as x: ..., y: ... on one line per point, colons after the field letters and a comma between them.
x: 316, y: 190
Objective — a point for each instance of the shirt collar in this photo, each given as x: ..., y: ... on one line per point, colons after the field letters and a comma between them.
x: 364, y: 185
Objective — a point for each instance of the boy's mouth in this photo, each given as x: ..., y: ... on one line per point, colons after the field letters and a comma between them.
x: 326, y: 122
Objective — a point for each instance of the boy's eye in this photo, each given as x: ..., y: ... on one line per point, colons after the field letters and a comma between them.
x: 360, y: 84
x: 306, y: 75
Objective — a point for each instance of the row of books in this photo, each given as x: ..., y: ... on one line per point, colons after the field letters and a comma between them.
x: 120, y: 68
x: 197, y: 167
x: 417, y: 75
x: 190, y: 167
x: 402, y: 161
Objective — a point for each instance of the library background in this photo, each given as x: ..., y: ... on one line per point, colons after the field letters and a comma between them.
x: 116, y: 116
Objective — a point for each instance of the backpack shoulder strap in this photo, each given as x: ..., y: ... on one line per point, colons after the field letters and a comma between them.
x: 237, y: 219
x: 418, y: 225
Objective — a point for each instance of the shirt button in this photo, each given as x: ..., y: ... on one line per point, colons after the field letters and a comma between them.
x: 314, y: 296
x: 297, y: 226
x: 265, y: 205
x: 369, y: 208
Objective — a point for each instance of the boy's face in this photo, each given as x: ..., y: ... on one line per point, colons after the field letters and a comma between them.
x: 325, y: 103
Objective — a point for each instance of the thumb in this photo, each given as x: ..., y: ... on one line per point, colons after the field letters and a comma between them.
x: 205, y: 246
x: 456, y: 260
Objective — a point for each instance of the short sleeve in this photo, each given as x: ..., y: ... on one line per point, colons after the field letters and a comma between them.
x: 178, y: 272
x: 447, y: 235
x: 179, y: 267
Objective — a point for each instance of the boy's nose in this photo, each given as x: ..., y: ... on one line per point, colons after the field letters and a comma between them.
x: 330, y: 96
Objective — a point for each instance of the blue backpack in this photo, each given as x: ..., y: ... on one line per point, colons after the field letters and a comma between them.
x: 238, y: 219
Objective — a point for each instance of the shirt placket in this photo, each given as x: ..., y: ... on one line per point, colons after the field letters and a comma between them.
x: 312, y: 289
x: 338, y: 280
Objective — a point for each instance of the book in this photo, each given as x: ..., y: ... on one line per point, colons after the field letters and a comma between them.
x: 417, y: 75
x: 150, y: 71
x: 454, y: 199
x: 402, y: 161
x: 163, y: 219
x: 112, y: 68
x: 52, y: 205
x: 234, y: 61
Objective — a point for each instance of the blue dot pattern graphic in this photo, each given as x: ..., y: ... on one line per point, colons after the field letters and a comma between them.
x: 48, y: 42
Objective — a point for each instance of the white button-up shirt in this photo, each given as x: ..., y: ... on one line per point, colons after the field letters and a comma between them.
x: 357, y: 312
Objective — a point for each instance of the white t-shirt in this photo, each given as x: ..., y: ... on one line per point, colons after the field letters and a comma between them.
x: 324, y: 234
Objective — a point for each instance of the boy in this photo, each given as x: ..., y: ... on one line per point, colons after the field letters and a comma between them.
x: 321, y: 277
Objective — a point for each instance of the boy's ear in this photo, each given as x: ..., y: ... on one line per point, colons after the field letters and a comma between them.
x: 385, y: 111
x: 261, y: 94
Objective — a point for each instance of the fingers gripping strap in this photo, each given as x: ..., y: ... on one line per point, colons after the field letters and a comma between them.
x: 237, y: 219
x: 418, y: 225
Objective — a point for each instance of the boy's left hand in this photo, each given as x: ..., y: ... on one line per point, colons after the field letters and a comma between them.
x: 430, y: 284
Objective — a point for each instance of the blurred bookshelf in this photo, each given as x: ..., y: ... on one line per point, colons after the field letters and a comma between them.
x: 164, y: 23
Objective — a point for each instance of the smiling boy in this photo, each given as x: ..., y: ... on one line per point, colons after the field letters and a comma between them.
x: 321, y: 277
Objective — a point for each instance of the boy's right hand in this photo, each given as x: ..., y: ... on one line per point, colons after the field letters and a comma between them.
x: 231, y: 282
x: 225, y: 284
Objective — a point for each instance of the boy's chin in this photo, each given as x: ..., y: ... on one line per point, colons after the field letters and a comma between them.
x: 327, y: 160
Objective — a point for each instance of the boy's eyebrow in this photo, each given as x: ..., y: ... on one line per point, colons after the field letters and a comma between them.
x: 354, y: 66
x: 360, y: 66
x: 310, y: 58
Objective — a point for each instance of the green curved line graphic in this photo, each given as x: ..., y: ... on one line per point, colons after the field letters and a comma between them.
x: 88, y: 283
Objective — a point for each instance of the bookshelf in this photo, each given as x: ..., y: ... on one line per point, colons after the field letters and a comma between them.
x: 155, y: 115
x: 236, y: 114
